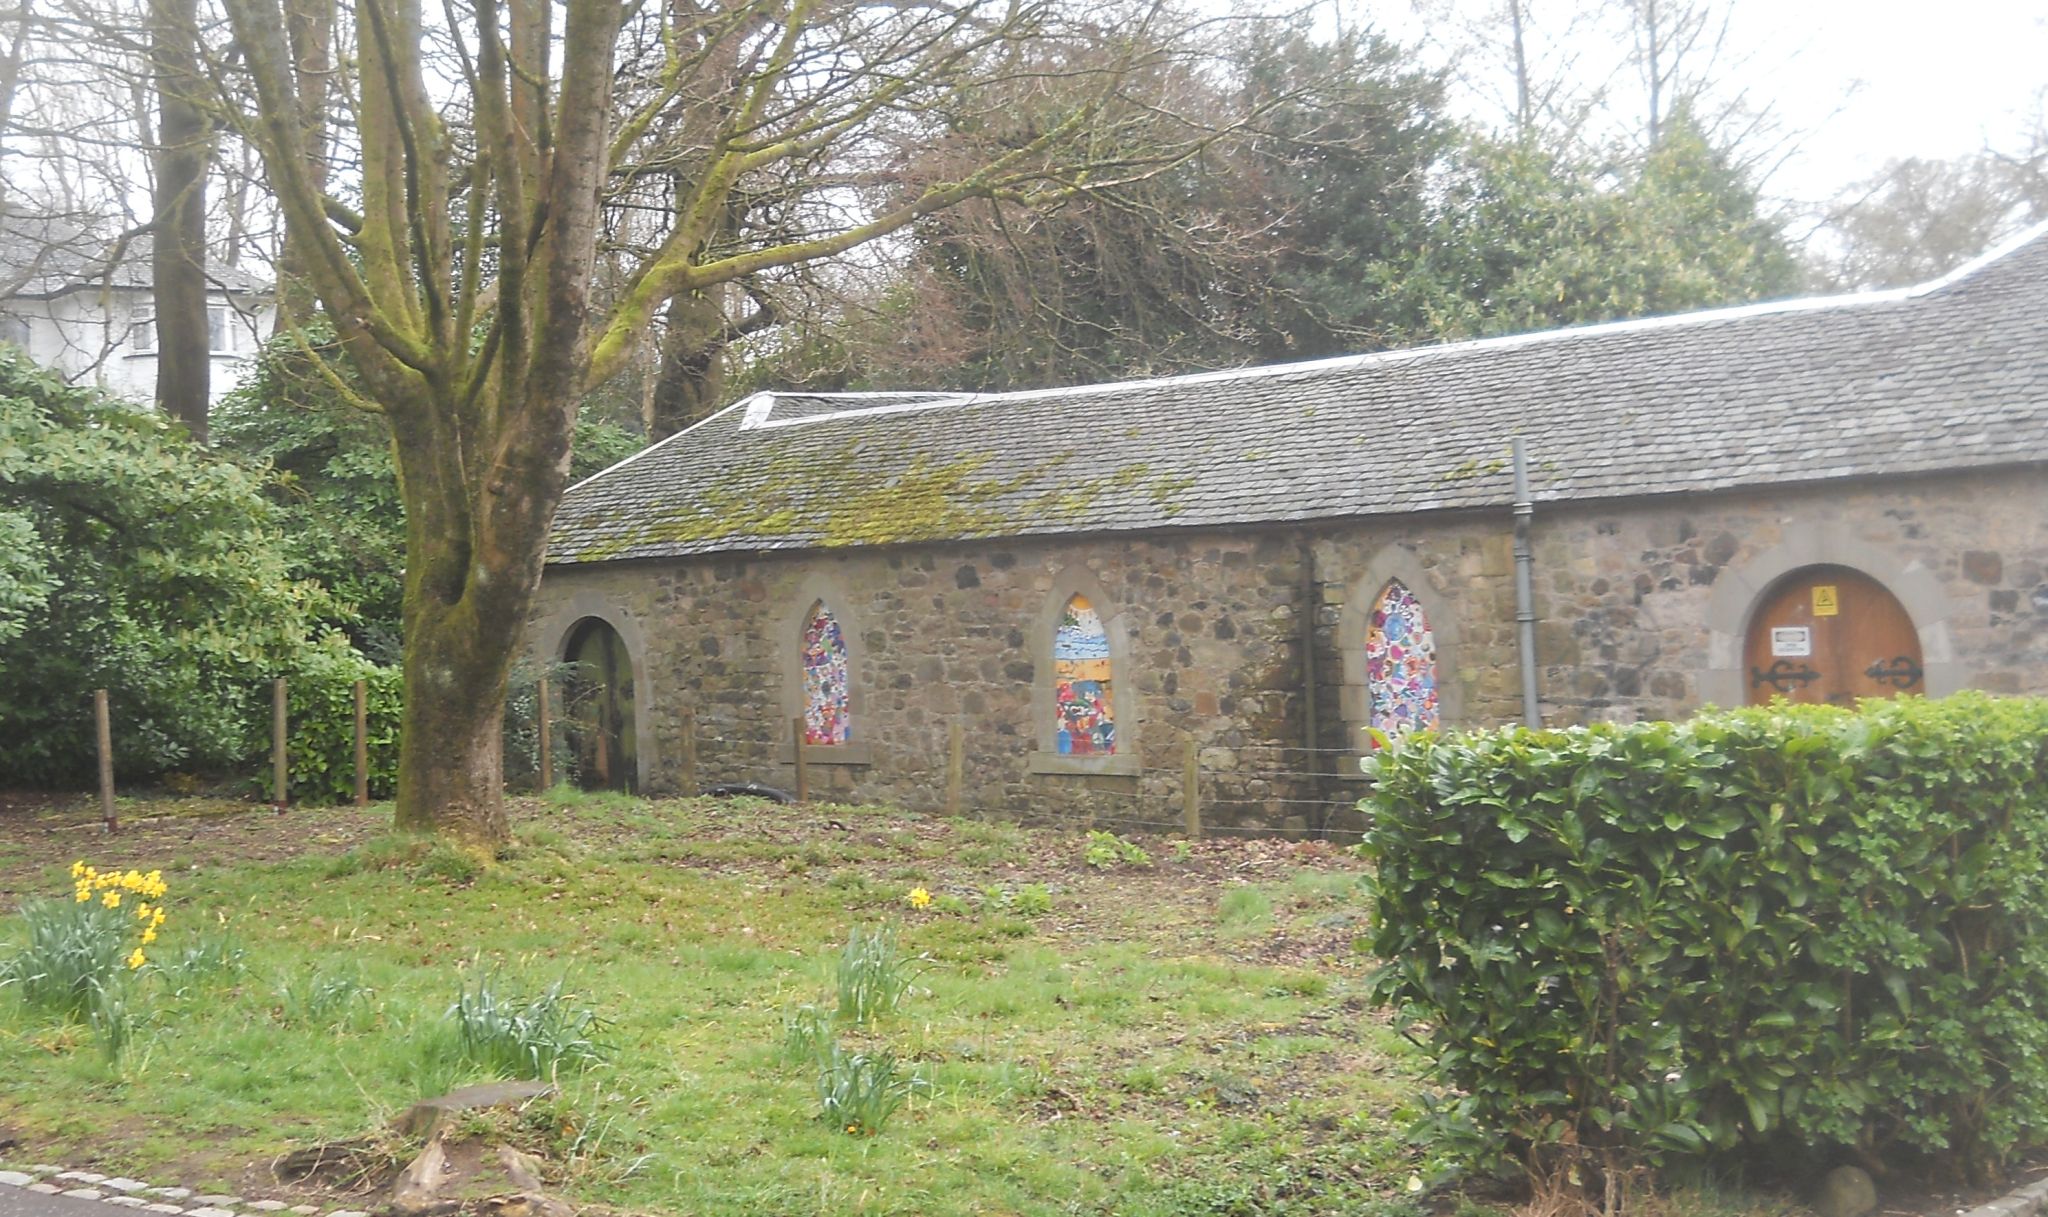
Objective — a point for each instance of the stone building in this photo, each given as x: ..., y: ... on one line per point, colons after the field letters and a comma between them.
x: 1068, y: 595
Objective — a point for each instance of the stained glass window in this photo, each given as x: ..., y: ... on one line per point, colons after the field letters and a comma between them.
x: 1400, y: 664
x: 1086, y: 722
x: 826, y: 720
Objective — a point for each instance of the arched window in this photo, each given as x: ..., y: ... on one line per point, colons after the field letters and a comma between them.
x: 826, y: 720
x: 1400, y: 663
x: 1085, y: 723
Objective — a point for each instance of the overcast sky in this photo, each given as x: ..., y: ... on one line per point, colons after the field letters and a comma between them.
x: 1854, y: 82
x: 1872, y: 80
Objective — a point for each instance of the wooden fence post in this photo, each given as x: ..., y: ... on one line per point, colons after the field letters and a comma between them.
x: 690, y: 787
x: 956, y: 766
x: 547, y: 740
x: 278, y: 768
x: 803, y: 772
x: 362, y: 743
x: 104, y: 727
x: 1191, y: 790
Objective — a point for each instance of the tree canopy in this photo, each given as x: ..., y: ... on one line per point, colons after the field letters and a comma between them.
x: 134, y: 561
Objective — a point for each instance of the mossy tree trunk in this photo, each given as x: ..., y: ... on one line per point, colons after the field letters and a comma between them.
x: 184, y: 360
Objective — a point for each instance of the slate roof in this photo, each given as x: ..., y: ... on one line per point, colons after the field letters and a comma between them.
x: 43, y: 256
x: 1952, y: 375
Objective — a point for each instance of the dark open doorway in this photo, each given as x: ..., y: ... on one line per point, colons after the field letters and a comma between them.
x: 600, y: 708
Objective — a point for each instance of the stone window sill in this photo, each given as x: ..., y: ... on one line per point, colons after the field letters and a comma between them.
x: 828, y: 754
x: 1122, y: 764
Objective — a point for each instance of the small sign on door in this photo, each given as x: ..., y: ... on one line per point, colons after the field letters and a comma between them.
x: 1825, y: 603
x: 1791, y: 642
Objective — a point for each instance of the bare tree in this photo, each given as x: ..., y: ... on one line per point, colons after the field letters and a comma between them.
x: 1918, y: 219
x: 1526, y: 58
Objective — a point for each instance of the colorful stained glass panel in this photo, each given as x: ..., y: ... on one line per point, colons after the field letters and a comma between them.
x: 826, y: 720
x: 1400, y: 664
x: 1086, y: 715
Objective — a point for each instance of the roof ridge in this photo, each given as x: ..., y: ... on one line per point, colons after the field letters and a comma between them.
x: 761, y: 416
x: 663, y: 442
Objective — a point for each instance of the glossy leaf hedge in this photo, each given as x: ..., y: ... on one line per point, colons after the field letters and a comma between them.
x: 1786, y: 929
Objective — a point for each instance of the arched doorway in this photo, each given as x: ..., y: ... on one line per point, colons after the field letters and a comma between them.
x: 1831, y: 634
x: 600, y: 707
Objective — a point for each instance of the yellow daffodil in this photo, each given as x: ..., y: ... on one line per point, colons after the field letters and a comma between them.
x: 148, y: 936
x: 83, y: 895
x: 77, y: 869
x: 112, y: 900
x: 919, y: 898
x: 137, y: 960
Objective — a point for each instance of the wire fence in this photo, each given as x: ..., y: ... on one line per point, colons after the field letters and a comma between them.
x: 1255, y: 788
x: 1242, y: 788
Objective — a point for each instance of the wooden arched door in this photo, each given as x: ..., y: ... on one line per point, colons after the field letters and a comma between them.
x: 1831, y: 634
x: 600, y: 709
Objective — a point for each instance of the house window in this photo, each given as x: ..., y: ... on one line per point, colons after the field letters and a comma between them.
x: 220, y: 331
x: 826, y: 718
x: 1085, y: 723
x: 1400, y: 664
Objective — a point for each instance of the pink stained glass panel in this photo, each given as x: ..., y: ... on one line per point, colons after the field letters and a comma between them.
x: 1400, y: 664
x: 826, y: 720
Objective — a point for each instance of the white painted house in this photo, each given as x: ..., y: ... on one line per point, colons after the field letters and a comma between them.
x: 82, y: 306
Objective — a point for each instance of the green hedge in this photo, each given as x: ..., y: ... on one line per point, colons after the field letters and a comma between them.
x: 1793, y: 930
x: 320, y: 729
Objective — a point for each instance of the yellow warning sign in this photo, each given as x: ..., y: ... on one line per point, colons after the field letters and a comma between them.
x: 1824, y: 602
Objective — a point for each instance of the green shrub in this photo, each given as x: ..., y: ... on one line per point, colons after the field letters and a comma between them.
x: 514, y: 1037
x: 1105, y: 850
x: 1031, y: 900
x: 136, y: 561
x: 320, y: 743
x: 1791, y: 928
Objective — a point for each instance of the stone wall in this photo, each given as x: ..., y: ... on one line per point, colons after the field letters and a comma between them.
x: 1641, y: 609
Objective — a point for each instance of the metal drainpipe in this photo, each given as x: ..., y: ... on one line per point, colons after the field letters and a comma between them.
x: 1525, y: 595
x: 1310, y: 606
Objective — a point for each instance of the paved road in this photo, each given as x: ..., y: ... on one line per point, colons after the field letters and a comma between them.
x: 21, y: 1202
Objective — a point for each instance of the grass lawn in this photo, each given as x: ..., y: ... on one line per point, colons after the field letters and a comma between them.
x: 1184, y: 1037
